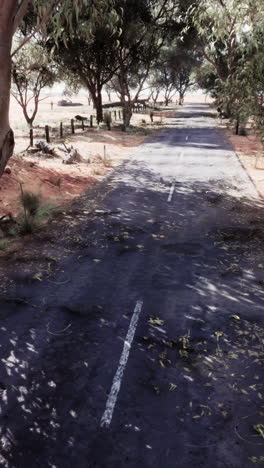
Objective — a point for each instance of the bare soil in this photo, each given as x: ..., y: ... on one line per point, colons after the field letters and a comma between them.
x: 251, y: 154
x: 55, y: 182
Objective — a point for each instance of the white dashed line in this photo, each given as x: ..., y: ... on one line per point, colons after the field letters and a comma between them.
x: 171, y: 193
x: 112, y: 398
x: 187, y: 138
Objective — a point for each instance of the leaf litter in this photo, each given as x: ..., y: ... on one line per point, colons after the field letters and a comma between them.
x: 233, y: 357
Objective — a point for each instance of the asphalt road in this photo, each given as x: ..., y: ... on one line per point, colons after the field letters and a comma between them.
x: 146, y: 348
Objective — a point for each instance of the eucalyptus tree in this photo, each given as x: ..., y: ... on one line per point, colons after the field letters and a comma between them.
x: 144, y: 26
x: 244, y: 90
x: 173, y: 71
x: 86, y: 53
x: 32, y: 71
x: 12, y: 14
x: 220, y: 26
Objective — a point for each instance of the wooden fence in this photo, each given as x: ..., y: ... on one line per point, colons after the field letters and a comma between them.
x: 116, y: 114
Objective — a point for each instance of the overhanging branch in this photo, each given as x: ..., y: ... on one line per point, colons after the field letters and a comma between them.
x: 38, y: 28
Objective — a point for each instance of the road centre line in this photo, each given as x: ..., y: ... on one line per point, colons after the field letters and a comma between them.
x: 112, y: 398
x: 187, y: 138
x: 171, y: 193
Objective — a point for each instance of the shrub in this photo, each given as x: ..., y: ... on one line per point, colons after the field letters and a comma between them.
x: 30, y: 203
x: 28, y: 226
x: 33, y: 212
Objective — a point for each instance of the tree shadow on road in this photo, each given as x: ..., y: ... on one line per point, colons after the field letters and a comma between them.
x: 200, y: 258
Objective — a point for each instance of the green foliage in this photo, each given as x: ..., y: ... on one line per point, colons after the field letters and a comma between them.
x: 144, y: 27
x: 31, y: 72
x: 30, y: 203
x: 206, y: 78
x: 231, y: 38
x: 174, y: 69
x: 34, y: 211
x: 220, y: 26
x: 86, y: 51
x: 243, y: 92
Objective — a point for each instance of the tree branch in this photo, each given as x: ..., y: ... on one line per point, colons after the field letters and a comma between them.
x: 38, y: 28
x: 22, y: 9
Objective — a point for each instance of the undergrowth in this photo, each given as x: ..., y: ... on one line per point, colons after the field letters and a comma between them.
x: 34, y: 211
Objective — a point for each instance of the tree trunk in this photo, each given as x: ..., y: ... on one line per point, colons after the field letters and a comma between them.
x: 96, y: 96
x: 29, y: 120
x: 127, y: 114
x: 7, y: 142
x: 237, y: 125
x: 156, y: 98
x: 99, y: 107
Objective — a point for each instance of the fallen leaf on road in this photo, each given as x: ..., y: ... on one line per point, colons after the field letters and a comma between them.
x: 256, y: 459
x: 218, y: 334
x: 37, y: 276
x: 259, y: 428
x: 156, y: 321
x: 235, y: 317
x: 172, y: 387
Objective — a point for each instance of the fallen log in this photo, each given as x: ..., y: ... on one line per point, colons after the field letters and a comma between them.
x: 80, y: 118
x: 47, y: 149
x: 73, y: 157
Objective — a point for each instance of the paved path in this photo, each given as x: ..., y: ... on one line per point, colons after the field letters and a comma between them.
x: 147, y: 349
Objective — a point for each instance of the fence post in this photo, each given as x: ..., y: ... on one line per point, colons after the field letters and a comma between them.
x: 47, y: 134
x: 237, y: 126
x: 31, y: 137
x: 115, y: 114
x: 91, y: 121
x: 61, y: 130
x: 72, y: 127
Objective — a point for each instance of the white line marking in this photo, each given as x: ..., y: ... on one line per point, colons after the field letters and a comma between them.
x: 187, y: 138
x: 112, y: 398
x: 171, y: 193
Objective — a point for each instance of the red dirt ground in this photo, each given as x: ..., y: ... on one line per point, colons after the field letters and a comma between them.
x: 40, y: 180
x: 251, y: 154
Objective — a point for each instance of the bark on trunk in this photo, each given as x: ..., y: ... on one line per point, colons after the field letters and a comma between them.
x: 29, y: 120
x: 7, y: 144
x: 97, y: 104
x: 181, y: 97
x: 99, y: 108
x: 127, y: 115
x: 6, y: 134
x: 156, y: 98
